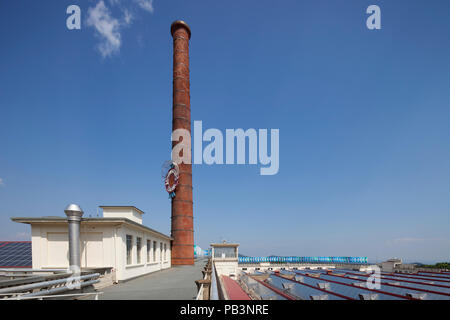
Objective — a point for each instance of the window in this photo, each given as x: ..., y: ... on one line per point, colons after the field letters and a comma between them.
x: 165, y: 251
x: 129, y: 248
x: 149, y: 246
x: 154, y: 251
x: 225, y: 252
x: 138, y: 247
x: 160, y: 251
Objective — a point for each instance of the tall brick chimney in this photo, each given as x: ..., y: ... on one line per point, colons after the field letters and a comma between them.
x: 182, y: 205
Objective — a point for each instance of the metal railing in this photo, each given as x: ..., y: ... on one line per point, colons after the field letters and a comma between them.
x: 50, y: 288
x: 214, y: 295
x: 72, y: 295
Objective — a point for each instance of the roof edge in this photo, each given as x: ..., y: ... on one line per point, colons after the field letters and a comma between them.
x: 31, y: 220
x: 131, y: 207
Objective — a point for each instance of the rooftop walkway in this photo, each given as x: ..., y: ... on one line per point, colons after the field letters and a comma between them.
x: 176, y: 283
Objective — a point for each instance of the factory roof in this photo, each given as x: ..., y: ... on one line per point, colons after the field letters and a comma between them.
x: 59, y: 220
x: 342, y: 284
x: 224, y: 244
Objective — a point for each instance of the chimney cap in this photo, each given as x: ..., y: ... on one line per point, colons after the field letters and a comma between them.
x: 180, y: 24
x: 73, y: 210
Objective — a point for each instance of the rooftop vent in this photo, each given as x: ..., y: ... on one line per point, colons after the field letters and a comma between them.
x: 368, y: 296
x: 359, y: 284
x: 315, y: 275
x: 319, y: 297
x: 324, y: 286
x: 419, y: 296
x: 288, y: 285
x: 268, y: 297
x: 252, y: 286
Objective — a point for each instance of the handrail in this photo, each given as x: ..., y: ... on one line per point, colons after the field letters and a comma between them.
x: 200, y: 293
x: 205, y: 283
x: 200, y: 290
x: 214, y: 289
x: 39, y: 285
x: 31, y: 270
x: 55, y: 296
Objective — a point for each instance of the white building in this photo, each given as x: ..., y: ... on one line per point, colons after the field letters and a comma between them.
x: 391, y: 264
x: 225, y: 258
x: 118, y: 240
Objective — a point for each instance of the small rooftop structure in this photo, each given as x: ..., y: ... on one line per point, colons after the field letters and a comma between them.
x: 225, y: 258
x: 130, y: 212
x: 225, y: 250
x: 391, y: 264
x: 118, y: 241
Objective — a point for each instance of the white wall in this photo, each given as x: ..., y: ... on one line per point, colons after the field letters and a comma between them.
x: 101, y: 246
x: 128, y: 213
x: 228, y: 268
x: 155, y: 263
x: 50, y: 246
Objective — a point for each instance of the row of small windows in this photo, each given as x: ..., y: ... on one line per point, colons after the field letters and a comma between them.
x: 151, y: 250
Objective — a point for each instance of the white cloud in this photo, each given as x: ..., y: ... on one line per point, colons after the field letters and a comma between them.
x: 413, y: 240
x: 127, y: 16
x: 1, y: 182
x: 108, y: 28
x: 145, y: 4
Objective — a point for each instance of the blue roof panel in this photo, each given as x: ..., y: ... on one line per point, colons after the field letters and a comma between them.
x: 15, y: 254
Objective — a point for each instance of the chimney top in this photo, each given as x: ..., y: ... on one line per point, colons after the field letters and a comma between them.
x: 73, y: 212
x: 180, y: 24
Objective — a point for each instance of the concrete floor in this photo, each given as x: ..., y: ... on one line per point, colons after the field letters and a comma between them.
x: 176, y: 283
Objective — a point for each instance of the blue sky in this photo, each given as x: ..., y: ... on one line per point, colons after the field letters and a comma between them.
x: 363, y: 118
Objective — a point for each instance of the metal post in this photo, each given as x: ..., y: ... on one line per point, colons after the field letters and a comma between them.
x: 74, y: 214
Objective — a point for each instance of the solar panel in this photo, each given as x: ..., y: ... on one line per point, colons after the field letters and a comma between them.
x: 15, y: 254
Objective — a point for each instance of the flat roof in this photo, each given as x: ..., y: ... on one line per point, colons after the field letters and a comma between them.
x: 176, y: 283
x: 37, y: 220
x: 122, y: 207
x: 224, y: 244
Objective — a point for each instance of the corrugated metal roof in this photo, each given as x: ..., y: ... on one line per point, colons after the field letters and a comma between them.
x: 340, y: 284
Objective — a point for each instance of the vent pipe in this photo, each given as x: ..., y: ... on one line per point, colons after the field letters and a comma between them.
x: 74, y: 214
